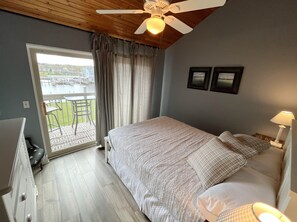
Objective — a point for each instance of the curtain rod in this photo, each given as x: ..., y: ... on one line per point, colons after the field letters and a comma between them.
x: 123, y: 39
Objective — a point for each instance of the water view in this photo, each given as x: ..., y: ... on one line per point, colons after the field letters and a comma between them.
x: 50, y: 88
x: 65, y: 75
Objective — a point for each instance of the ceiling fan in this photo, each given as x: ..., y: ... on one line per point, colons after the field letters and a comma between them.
x: 158, y: 8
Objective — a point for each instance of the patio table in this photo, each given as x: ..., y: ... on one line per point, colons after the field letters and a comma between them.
x: 81, y: 106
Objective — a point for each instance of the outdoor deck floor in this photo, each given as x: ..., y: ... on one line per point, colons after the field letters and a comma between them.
x: 85, y: 133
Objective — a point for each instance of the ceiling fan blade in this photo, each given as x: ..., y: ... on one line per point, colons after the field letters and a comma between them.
x: 192, y: 5
x: 120, y: 11
x: 177, y: 24
x: 142, y: 28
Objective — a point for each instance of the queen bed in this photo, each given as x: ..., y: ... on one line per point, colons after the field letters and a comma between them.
x: 171, y: 169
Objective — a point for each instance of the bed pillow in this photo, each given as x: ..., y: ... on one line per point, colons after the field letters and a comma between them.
x: 214, y: 162
x: 234, y: 144
x: 254, y: 142
x: 244, y: 187
x: 268, y: 163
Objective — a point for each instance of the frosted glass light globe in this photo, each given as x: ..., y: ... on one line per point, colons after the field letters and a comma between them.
x: 155, y: 25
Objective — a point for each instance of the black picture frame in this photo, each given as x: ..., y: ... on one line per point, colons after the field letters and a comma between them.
x: 226, y: 79
x: 199, y: 77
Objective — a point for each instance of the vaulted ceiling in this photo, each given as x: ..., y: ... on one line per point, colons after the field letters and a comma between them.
x: 82, y: 14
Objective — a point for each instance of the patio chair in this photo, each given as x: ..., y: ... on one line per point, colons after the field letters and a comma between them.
x: 81, y: 108
x: 50, y: 111
x: 35, y: 153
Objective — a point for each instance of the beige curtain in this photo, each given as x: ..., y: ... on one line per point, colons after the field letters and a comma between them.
x: 133, y: 80
x: 124, y: 73
x: 142, y: 88
x: 122, y: 91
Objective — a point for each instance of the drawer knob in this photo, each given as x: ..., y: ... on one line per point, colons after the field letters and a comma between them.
x: 23, y: 196
x: 29, y: 218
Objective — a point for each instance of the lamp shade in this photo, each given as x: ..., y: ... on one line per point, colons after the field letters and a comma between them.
x: 155, y: 25
x: 253, y: 213
x: 283, y: 118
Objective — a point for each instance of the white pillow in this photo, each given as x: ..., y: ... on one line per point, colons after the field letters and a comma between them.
x: 214, y: 162
x: 244, y: 187
x: 234, y: 144
x: 268, y: 163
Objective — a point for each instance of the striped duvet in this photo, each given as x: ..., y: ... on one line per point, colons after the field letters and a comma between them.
x: 150, y: 157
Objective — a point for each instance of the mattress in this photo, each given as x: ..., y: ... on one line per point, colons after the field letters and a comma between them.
x: 151, y: 159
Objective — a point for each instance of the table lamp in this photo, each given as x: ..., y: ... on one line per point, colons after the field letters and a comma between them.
x: 284, y: 118
x: 256, y: 212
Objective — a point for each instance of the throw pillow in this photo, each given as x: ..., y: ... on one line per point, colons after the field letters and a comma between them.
x: 234, y: 144
x: 214, y: 162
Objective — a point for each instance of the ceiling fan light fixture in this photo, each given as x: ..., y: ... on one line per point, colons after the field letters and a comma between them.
x: 155, y: 25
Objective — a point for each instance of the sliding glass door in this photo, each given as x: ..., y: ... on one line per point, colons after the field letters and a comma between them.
x: 65, y: 91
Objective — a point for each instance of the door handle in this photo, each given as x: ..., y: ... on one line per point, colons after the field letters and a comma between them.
x: 23, y: 196
x: 43, y: 108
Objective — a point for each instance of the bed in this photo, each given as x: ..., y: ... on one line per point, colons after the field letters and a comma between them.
x: 153, y: 160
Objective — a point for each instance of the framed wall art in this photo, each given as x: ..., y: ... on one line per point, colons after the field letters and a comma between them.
x: 199, y: 77
x: 226, y: 79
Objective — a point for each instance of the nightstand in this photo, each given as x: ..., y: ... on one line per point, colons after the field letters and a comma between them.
x: 270, y: 140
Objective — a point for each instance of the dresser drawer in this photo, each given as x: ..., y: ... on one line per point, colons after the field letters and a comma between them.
x: 29, y: 211
x: 21, y: 199
x: 26, y: 208
x: 16, y: 177
x: 17, y: 186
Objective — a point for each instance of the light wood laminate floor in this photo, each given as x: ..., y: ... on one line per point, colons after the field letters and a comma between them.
x: 81, y: 187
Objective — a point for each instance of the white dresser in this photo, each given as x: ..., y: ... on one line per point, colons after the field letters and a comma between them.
x: 17, y: 186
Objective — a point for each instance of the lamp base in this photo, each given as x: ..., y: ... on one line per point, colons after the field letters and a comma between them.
x: 276, y: 144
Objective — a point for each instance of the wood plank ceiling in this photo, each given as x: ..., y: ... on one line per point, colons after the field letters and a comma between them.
x: 81, y: 14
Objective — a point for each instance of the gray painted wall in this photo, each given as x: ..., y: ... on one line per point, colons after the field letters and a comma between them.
x: 15, y: 76
x: 158, y: 80
x: 259, y: 35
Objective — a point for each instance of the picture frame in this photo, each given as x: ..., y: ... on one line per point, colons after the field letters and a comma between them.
x: 199, y: 78
x: 226, y: 79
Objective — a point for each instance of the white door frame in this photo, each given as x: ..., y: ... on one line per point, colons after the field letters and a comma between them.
x: 32, y: 49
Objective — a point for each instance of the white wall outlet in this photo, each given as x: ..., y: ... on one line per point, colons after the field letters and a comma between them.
x: 26, y: 104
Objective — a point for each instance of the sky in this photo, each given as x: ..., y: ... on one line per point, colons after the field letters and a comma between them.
x: 63, y: 60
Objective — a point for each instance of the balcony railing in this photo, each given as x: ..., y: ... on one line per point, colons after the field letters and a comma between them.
x: 65, y: 115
